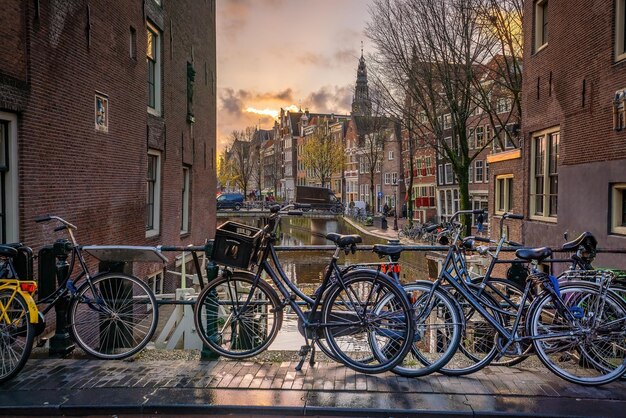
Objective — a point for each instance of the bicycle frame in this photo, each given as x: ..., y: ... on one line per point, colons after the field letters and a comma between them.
x: 16, y: 286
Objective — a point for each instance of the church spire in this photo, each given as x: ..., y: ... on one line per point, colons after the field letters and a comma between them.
x: 361, y: 104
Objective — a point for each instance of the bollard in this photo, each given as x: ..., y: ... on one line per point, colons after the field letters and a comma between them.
x: 61, y: 344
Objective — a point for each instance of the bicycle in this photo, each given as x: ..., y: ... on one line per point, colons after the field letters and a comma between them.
x: 239, y: 314
x: 577, y: 328
x: 18, y: 315
x: 111, y: 315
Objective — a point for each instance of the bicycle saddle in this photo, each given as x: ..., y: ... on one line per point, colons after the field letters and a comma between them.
x: 538, y: 254
x: 382, y: 249
x: 586, y: 238
x: 343, y: 240
x: 8, y: 251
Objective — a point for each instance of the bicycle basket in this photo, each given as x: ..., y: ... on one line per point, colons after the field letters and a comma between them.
x: 236, y: 244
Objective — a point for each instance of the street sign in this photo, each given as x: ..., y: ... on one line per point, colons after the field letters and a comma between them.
x: 380, y: 194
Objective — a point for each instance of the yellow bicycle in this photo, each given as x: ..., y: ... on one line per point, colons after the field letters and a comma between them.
x: 18, y: 315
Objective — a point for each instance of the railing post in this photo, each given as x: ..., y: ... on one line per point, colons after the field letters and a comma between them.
x: 61, y: 344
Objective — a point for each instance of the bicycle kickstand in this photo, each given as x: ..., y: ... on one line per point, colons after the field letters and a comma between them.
x: 304, y: 350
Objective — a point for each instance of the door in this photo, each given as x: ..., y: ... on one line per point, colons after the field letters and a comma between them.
x: 8, y: 178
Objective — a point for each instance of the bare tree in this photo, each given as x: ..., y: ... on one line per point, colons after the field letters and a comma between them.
x: 322, y: 154
x: 242, y: 158
x: 431, y: 58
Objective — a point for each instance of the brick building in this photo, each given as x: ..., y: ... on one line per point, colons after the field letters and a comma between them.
x: 107, y: 111
x: 574, y: 151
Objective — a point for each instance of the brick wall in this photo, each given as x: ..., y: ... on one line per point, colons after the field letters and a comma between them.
x: 93, y: 179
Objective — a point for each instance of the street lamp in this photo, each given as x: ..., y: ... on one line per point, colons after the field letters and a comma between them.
x: 395, y: 205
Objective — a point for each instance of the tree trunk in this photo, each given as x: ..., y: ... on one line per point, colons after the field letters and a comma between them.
x: 464, y: 199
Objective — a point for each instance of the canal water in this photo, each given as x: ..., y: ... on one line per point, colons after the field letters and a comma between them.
x: 305, y: 268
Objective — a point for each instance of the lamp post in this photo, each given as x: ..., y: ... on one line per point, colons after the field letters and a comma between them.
x: 395, y: 205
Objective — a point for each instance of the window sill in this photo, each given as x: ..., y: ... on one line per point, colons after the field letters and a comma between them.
x: 154, y: 112
x: 620, y: 58
x: 541, y: 48
x: 618, y: 231
x: 551, y: 220
x: 152, y: 233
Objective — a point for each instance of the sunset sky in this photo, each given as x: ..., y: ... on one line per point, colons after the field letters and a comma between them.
x: 282, y: 53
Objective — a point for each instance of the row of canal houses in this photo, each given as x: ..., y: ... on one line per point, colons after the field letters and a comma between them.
x: 563, y: 165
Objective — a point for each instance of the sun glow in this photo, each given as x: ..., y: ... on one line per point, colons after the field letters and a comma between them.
x: 272, y: 112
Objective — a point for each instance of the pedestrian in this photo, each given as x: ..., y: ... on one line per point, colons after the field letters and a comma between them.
x: 479, y: 223
x: 385, y: 210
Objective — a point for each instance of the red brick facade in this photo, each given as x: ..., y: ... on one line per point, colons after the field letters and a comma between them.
x: 570, y: 84
x: 52, y: 63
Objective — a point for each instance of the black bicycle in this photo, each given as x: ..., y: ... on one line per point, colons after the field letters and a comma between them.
x: 110, y: 315
x: 360, y: 313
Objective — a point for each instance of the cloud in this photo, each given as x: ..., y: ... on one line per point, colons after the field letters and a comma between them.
x: 328, y: 99
x: 331, y: 60
x: 235, y: 101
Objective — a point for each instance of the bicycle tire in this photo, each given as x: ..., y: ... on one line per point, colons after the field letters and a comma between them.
x: 245, y: 330
x: 478, y: 346
x: 118, y: 321
x: 354, y: 322
x: 435, y: 341
x: 576, y: 351
x: 16, y: 334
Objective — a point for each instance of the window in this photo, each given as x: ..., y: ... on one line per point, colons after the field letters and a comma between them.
x: 470, y: 138
x: 440, y: 169
x: 133, y: 43
x: 153, y: 195
x: 394, y: 178
x: 503, y: 105
x: 504, y: 137
x: 378, y: 166
x: 620, y: 30
x: 470, y: 173
x: 504, y: 193
x: 387, y: 178
x: 541, y: 24
x: 618, y: 208
x: 449, y: 174
x: 486, y: 171
x: 480, y: 137
x: 154, y: 70
x: 544, y: 174
x: 429, y: 168
x: 184, y: 218
x: 390, y: 156
x: 447, y: 121
x: 155, y: 282
x: 9, y: 190
x: 478, y: 173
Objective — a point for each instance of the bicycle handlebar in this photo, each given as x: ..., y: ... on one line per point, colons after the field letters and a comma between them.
x: 46, y: 218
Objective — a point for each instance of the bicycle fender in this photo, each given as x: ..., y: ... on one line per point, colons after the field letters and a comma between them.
x: 33, y: 312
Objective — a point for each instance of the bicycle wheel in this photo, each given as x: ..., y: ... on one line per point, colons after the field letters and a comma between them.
x: 478, y: 346
x: 582, y: 339
x: 236, y: 318
x: 16, y: 334
x: 114, y: 317
x: 438, y: 331
x: 362, y: 316
x: 508, y: 296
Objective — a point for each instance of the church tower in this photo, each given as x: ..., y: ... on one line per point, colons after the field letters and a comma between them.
x: 361, y: 104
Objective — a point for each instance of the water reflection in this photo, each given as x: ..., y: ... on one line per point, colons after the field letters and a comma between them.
x: 304, y: 268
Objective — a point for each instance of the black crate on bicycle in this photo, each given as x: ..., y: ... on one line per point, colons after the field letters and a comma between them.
x: 236, y: 244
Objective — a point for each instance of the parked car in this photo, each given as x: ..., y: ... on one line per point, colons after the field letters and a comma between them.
x: 229, y: 201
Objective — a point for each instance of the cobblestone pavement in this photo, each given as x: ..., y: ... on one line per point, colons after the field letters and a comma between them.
x: 63, y: 386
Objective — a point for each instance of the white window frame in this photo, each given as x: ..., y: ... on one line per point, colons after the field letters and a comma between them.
x: 617, y: 192
x: 447, y: 121
x: 620, y: 29
x: 451, y: 172
x: 486, y: 171
x: 545, y: 214
x: 507, y: 180
x: 156, y: 224
x: 390, y: 156
x: 184, y: 221
x: 387, y: 178
x: 156, y: 110
x: 440, y: 173
x: 11, y: 180
x: 394, y: 178
x: 478, y: 168
x: 541, y: 40
x: 155, y: 282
